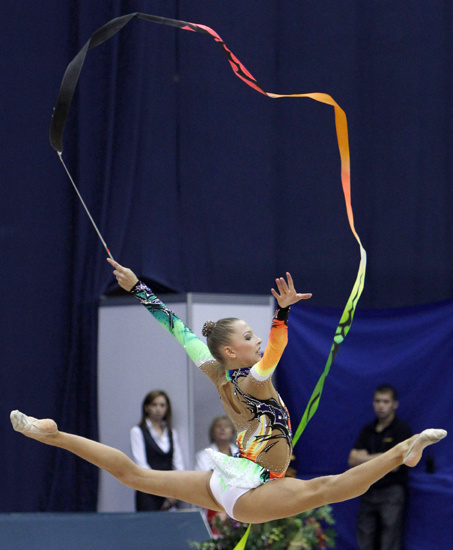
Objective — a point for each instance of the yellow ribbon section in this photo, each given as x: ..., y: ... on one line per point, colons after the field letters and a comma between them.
x: 241, y: 544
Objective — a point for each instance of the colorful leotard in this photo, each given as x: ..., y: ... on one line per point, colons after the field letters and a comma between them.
x: 278, y: 338
x: 272, y: 415
x: 195, y: 348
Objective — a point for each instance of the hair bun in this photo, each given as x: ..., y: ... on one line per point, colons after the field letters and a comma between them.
x: 208, y: 327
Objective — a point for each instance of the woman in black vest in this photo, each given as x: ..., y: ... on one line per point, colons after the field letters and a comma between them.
x: 155, y: 445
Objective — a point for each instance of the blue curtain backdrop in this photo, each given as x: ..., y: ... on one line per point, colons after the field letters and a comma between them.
x: 201, y: 184
x: 409, y: 348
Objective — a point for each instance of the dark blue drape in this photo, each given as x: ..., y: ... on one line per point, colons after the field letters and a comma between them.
x: 409, y: 348
x: 201, y: 184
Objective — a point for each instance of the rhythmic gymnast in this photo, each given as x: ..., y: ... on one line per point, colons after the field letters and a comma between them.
x: 250, y: 488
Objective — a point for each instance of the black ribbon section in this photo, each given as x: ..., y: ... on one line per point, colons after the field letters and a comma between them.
x: 73, y: 70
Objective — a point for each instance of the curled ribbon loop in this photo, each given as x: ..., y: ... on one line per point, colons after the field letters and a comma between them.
x: 63, y: 104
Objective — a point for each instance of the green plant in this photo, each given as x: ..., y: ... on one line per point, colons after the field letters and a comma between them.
x: 306, y: 531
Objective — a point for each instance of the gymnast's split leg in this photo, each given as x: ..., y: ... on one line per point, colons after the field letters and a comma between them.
x: 273, y: 500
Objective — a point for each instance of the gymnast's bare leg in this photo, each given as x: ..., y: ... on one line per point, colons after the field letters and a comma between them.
x: 273, y: 500
x: 294, y: 496
x: 189, y: 486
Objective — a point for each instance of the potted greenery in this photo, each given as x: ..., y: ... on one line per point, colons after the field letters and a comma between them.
x: 306, y: 531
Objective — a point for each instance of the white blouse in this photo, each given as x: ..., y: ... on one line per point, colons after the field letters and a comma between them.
x: 163, y: 442
x: 204, y: 463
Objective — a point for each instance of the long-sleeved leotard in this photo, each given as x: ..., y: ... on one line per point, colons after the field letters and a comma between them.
x: 272, y: 415
x: 195, y: 348
x: 273, y: 422
x: 278, y: 338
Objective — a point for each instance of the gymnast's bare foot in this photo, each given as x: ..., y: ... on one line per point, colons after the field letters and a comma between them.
x: 31, y: 427
x: 420, y: 441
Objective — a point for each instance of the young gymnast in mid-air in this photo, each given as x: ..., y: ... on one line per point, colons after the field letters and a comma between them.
x: 251, y: 488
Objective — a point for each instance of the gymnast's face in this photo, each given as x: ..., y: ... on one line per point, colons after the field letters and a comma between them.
x: 244, y: 346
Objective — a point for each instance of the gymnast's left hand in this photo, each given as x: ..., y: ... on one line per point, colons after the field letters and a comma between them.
x: 126, y: 277
x: 286, y: 294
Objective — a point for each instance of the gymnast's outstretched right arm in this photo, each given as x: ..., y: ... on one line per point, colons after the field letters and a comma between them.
x: 195, y: 348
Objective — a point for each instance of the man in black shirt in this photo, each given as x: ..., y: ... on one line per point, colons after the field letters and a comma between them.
x: 381, y: 514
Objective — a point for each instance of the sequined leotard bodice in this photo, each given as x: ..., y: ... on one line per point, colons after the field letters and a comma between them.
x: 271, y: 423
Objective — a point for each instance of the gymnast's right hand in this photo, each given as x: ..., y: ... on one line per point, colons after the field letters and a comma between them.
x: 126, y: 277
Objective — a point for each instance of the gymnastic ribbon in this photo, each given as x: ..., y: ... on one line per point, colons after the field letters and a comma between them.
x: 58, y: 123
x: 241, y: 544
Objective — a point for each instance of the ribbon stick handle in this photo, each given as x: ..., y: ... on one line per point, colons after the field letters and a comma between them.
x: 85, y: 206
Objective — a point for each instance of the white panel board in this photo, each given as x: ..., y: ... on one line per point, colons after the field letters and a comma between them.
x: 136, y: 355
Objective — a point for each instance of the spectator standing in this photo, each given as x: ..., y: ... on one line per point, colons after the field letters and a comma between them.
x: 380, y: 520
x: 222, y: 436
x: 155, y: 445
